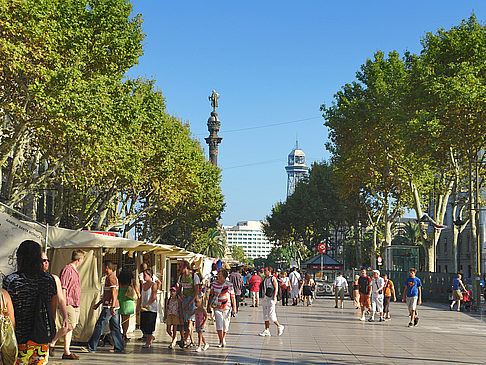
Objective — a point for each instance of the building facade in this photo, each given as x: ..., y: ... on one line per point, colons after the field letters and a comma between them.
x: 248, y: 235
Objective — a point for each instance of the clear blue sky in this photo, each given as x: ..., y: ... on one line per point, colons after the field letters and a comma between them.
x: 272, y: 62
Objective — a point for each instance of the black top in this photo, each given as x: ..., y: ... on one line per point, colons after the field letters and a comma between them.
x: 364, y: 284
x: 125, y: 277
x: 24, y: 291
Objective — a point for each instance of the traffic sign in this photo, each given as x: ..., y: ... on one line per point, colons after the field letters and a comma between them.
x: 322, y: 248
x: 380, y: 260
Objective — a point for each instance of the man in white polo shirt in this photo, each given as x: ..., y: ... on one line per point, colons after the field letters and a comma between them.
x: 340, y: 286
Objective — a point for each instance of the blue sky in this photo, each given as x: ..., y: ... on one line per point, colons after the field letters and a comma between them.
x: 272, y: 62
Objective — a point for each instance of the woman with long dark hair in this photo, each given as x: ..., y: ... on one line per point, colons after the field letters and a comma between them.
x: 31, y: 288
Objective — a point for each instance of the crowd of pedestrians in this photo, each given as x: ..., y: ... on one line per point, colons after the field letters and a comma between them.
x: 193, y: 302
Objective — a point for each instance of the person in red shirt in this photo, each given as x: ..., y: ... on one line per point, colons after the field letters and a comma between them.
x: 254, y: 284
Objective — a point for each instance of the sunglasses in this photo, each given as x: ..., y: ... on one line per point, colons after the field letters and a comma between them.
x: 45, y: 260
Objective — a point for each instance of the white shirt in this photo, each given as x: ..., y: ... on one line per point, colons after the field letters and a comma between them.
x: 376, y: 284
x: 294, y: 278
x: 340, y: 282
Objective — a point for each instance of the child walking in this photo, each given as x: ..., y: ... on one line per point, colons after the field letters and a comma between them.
x: 173, y: 316
x: 201, y: 319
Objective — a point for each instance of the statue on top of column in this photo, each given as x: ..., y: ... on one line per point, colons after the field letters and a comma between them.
x: 214, y: 100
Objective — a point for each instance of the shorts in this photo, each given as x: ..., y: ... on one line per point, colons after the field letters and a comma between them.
x: 306, y: 290
x: 412, y: 303
x: 147, y: 322
x: 339, y: 292
x: 386, y: 304
x: 254, y: 295
x: 377, y: 303
x: 457, y: 295
x: 294, y: 291
x: 72, y: 315
x: 190, y: 308
x: 364, y: 300
x: 172, y: 319
x: 32, y: 353
x: 200, y: 329
x: 222, y: 317
x: 269, y: 313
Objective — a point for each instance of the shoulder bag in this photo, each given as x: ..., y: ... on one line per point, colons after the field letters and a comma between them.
x: 131, y: 293
x: 8, y: 347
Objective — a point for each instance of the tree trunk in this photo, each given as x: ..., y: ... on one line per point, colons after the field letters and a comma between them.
x: 474, y: 215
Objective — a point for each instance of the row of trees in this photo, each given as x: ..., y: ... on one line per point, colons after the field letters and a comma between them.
x: 407, y: 134
x: 314, y: 213
x: 76, y: 128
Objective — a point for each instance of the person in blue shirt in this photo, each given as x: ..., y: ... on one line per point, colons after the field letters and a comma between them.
x: 457, y: 285
x: 412, y: 294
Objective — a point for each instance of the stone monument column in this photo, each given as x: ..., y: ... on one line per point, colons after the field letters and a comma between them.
x: 213, y: 127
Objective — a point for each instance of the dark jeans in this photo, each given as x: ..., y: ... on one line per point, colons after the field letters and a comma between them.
x: 104, y: 317
x: 238, y: 300
x: 285, y: 296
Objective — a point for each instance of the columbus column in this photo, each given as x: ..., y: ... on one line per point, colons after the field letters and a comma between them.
x: 213, y: 127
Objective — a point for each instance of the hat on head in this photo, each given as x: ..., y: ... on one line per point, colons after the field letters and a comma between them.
x: 377, y: 271
x: 173, y: 288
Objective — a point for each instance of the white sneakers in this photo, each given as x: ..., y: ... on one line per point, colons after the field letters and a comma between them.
x: 204, y: 348
x: 266, y: 333
x: 362, y: 318
x: 221, y: 344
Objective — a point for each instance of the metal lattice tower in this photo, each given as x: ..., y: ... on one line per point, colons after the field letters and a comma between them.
x: 296, y: 168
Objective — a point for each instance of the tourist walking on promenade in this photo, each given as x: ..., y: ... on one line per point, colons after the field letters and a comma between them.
x: 412, y: 294
x: 308, y: 286
x: 377, y: 284
x: 285, y: 285
x: 189, y: 287
x: 71, y: 292
x: 148, y: 308
x: 173, y: 317
x: 295, y: 281
x: 364, y: 283
x: 389, y: 292
x: 109, y: 313
x: 61, y: 304
x: 237, y: 280
x: 222, y: 301
x: 356, y: 292
x: 457, y: 285
x: 255, y: 282
x: 340, y: 286
x: 269, y: 301
x: 201, y: 319
x: 28, y: 287
x: 127, y: 304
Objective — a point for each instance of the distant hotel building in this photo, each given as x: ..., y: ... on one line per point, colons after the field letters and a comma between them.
x: 249, y: 236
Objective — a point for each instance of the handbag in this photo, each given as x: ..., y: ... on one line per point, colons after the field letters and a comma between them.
x: 8, y: 346
x: 44, y: 328
x: 131, y: 293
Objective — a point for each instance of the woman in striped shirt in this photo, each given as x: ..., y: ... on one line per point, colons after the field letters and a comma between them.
x: 222, y: 300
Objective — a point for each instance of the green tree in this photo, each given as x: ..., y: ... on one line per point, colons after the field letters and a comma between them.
x: 212, y: 243
x: 238, y: 254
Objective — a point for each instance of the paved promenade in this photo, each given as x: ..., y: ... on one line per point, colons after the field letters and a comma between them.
x: 321, y: 334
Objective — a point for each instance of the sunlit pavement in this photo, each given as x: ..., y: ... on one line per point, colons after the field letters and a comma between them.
x: 321, y: 334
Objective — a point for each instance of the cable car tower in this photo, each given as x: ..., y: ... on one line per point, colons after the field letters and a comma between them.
x: 296, y: 168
